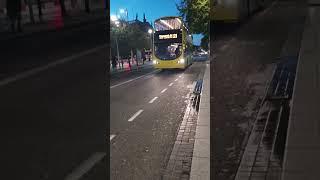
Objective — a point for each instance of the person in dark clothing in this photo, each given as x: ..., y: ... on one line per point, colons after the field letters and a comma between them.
x: 122, y: 63
x: 143, y: 55
x: 129, y: 61
x: 39, y: 3
x: 114, y: 62
x: 14, y: 14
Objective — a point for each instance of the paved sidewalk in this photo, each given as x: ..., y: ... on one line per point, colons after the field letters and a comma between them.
x: 126, y: 67
x: 51, y: 20
x: 303, y: 141
x: 200, y: 168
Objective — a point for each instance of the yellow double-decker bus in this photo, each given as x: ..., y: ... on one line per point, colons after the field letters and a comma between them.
x: 235, y: 10
x: 172, y: 44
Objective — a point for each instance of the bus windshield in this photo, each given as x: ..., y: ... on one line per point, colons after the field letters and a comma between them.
x: 167, y: 24
x: 167, y: 51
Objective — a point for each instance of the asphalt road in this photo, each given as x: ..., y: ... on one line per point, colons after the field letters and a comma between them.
x: 23, y: 53
x: 54, y: 110
x: 53, y: 120
x: 145, y: 114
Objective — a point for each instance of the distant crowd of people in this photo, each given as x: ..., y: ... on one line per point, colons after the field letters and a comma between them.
x: 120, y: 63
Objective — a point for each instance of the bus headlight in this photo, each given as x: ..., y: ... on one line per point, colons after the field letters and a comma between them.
x: 181, y: 61
x: 154, y: 62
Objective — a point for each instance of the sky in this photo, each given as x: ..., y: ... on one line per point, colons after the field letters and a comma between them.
x: 153, y: 9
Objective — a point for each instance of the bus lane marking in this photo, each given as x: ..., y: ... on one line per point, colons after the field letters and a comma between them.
x: 170, y: 84
x: 135, y: 115
x: 152, y: 100
x: 146, y: 75
x: 176, y: 79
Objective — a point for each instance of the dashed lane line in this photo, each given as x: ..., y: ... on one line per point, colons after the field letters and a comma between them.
x: 170, y: 84
x: 176, y: 79
x: 135, y: 115
x: 112, y: 136
x: 133, y: 79
x: 164, y: 90
x: 84, y: 167
x: 37, y: 70
x: 152, y: 100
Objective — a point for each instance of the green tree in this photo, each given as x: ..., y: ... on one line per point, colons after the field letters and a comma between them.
x: 137, y: 38
x: 196, y: 14
x: 129, y: 37
x: 117, y: 34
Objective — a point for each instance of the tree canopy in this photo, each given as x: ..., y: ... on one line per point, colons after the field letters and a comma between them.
x: 196, y: 14
x: 129, y: 37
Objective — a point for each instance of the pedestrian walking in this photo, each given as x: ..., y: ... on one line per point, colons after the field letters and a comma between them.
x: 14, y: 14
x: 143, y: 55
x: 121, y: 63
x: 114, y: 62
x: 129, y: 59
x: 135, y: 59
x: 39, y: 4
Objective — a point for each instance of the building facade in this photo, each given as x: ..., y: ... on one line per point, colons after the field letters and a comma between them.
x: 144, y: 25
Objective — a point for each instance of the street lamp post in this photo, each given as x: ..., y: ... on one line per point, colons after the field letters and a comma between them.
x: 150, y: 31
x: 115, y: 20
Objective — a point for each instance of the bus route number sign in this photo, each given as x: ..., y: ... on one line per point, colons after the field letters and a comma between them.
x: 168, y: 36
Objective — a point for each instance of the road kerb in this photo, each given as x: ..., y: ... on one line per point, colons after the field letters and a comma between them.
x: 201, y: 149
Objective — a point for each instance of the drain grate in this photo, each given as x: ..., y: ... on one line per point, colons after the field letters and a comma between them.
x: 281, y: 86
x: 265, y: 149
x: 197, y: 94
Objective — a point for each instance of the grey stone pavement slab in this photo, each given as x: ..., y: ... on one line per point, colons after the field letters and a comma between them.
x: 200, y: 169
x: 302, y: 153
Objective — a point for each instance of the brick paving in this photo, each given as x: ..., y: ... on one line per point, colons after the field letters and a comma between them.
x: 179, y: 164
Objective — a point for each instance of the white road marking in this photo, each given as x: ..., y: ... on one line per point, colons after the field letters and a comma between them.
x: 133, y: 79
x: 180, y: 76
x: 112, y: 136
x: 152, y: 100
x: 164, y: 90
x: 86, y: 166
x: 176, y: 79
x: 28, y: 73
x: 170, y: 84
x: 135, y: 115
